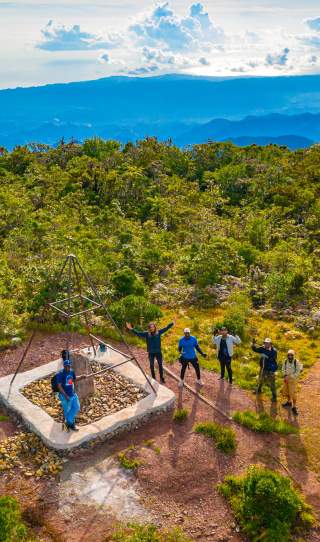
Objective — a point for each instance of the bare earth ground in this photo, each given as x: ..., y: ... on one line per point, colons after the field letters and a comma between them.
x: 175, y: 485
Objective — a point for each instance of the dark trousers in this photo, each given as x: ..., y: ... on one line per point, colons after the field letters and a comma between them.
x: 158, y: 356
x: 225, y: 363
x: 184, y: 364
x: 267, y: 377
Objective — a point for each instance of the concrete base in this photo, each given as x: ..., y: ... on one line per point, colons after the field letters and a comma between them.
x: 50, y: 431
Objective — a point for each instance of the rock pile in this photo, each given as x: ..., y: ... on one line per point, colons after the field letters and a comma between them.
x: 112, y: 393
x: 27, y: 453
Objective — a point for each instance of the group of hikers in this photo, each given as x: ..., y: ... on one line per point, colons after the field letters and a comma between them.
x: 224, y: 342
x: 188, y: 348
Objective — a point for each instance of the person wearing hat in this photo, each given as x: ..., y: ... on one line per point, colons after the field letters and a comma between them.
x: 66, y: 379
x: 153, y: 340
x: 290, y: 371
x: 224, y: 344
x: 188, y: 346
x: 268, y: 366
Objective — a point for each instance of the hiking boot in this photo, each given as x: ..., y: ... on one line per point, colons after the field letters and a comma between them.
x: 199, y: 382
x: 295, y: 411
x: 287, y: 404
x: 73, y: 427
x: 162, y: 381
x: 181, y: 383
x: 221, y: 378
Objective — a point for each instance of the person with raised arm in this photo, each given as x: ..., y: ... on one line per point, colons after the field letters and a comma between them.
x: 152, y: 337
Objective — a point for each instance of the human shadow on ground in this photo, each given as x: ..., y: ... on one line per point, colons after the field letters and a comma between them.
x: 181, y: 430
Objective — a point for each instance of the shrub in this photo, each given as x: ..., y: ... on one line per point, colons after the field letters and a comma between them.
x: 223, y: 437
x: 127, y: 462
x: 146, y: 533
x: 12, y: 528
x: 134, y: 309
x: 263, y: 423
x: 236, y: 314
x: 126, y: 282
x: 266, y: 505
x: 180, y: 414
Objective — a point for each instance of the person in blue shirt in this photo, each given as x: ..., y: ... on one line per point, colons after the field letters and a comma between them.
x: 188, y: 345
x: 69, y: 400
x: 153, y: 340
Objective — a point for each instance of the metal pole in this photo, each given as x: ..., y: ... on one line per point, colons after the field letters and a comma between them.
x: 35, y: 330
x: 69, y: 303
x: 82, y: 304
x: 115, y: 325
x: 194, y: 392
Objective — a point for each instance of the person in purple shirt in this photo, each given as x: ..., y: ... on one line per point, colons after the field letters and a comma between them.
x: 188, y: 346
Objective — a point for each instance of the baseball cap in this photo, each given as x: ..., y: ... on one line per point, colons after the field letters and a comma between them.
x: 186, y: 330
x: 67, y: 362
x: 267, y: 340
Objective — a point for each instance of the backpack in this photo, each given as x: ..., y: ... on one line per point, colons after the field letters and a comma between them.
x: 54, y: 383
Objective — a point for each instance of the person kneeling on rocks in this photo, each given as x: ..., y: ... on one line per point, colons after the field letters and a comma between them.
x: 188, y: 345
x: 66, y: 379
x: 291, y: 370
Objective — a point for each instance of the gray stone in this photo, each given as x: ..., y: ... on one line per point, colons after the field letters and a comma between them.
x: 50, y: 431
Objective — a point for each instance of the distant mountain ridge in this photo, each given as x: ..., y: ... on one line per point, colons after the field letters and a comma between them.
x: 178, y: 106
x: 274, y: 126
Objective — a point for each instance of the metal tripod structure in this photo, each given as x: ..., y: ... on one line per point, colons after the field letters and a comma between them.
x: 63, y: 306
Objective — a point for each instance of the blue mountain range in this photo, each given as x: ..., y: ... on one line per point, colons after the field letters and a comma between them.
x: 183, y: 108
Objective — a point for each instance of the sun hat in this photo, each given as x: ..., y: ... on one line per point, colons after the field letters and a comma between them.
x: 186, y: 330
x: 267, y: 340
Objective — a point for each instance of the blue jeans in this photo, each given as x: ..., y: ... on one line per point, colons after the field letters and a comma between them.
x: 70, y: 408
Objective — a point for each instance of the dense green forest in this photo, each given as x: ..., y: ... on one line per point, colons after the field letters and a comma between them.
x: 156, y: 225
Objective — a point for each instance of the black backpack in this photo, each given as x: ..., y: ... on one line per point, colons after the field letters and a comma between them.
x: 54, y: 383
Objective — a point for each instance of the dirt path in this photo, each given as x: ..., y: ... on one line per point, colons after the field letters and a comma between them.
x: 176, y: 485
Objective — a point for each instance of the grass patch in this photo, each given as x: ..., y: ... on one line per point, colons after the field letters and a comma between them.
x: 223, y: 437
x: 3, y: 418
x: 180, y: 415
x: 126, y: 460
x: 263, y: 423
x: 146, y: 533
x: 266, y: 505
x: 11, y: 525
x: 150, y: 444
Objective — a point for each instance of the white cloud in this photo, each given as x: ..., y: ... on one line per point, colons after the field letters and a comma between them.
x: 60, y: 38
x: 314, y: 24
x: 278, y: 59
x: 164, y: 28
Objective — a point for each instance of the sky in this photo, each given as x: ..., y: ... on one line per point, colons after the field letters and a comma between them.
x: 45, y: 41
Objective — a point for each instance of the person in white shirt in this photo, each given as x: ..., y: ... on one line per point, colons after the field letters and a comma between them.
x: 224, y: 344
x: 291, y: 369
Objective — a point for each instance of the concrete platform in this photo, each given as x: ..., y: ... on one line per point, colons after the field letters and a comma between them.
x: 50, y: 431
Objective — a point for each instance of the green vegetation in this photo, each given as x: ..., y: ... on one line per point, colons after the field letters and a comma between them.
x: 180, y: 415
x: 263, y: 423
x: 3, y: 418
x: 150, y: 214
x: 126, y: 459
x: 223, y: 437
x: 146, y: 533
x: 12, y: 528
x: 266, y: 505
